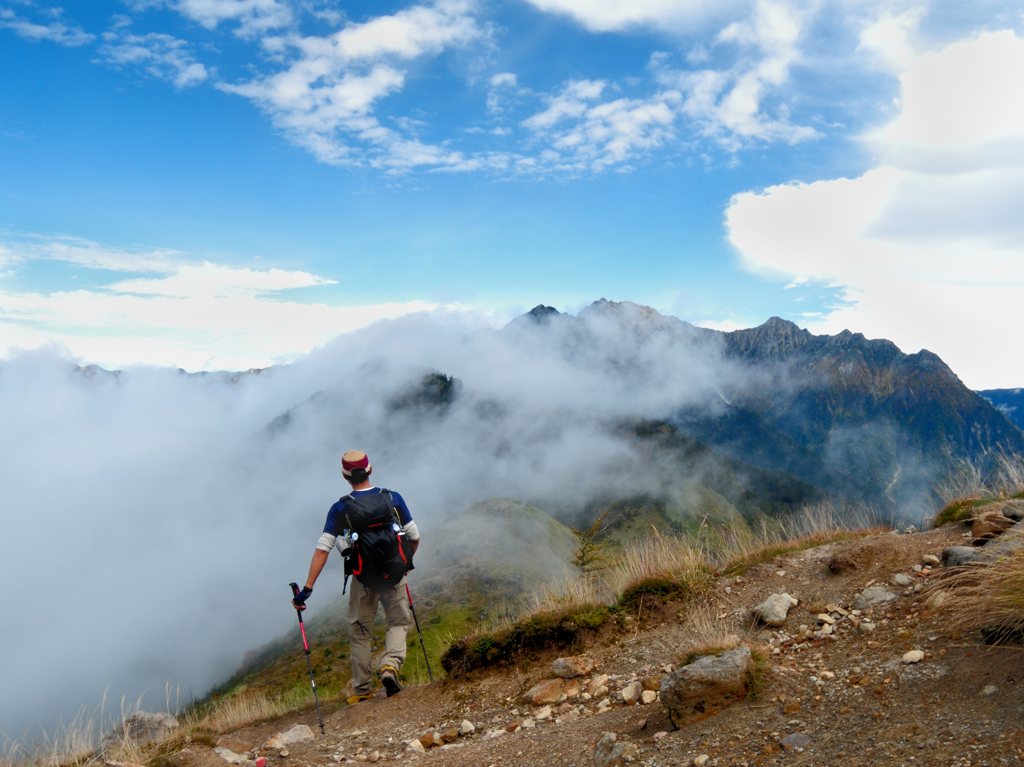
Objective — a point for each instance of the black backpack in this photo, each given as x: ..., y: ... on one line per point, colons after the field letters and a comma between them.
x: 380, y: 553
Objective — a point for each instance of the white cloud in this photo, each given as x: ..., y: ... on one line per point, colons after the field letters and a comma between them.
x: 929, y: 245
x: 616, y: 15
x: 725, y: 105
x: 728, y: 104
x: 197, y: 315
x: 158, y: 55
x: 55, y: 30
x: 324, y: 99
x: 254, y: 17
x: 584, y: 135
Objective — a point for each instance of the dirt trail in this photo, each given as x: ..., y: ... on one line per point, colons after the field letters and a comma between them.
x: 849, y: 693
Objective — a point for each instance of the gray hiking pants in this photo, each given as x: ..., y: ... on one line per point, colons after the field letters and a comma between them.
x: 362, y: 609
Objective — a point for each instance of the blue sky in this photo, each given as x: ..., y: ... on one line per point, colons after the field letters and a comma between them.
x: 229, y: 183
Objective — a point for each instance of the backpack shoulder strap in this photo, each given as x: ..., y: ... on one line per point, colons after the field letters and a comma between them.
x: 348, y: 521
x: 386, y: 495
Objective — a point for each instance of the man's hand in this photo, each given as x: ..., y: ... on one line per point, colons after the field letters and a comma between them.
x: 299, y: 602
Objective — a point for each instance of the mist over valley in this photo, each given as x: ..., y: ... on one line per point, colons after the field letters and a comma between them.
x: 154, y: 518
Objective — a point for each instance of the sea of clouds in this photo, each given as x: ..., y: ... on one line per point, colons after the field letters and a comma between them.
x: 153, y: 519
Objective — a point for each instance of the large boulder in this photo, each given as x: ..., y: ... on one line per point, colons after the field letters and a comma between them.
x: 566, y: 668
x: 774, y: 609
x: 707, y: 685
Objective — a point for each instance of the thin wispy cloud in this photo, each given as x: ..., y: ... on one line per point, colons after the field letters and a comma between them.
x: 157, y: 55
x: 182, y: 311
x: 51, y: 26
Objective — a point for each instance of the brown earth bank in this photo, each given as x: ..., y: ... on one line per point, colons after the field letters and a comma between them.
x: 835, y: 685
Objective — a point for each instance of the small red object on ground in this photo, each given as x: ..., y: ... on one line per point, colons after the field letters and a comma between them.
x: 261, y: 762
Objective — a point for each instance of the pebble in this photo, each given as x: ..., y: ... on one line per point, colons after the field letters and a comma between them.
x: 990, y: 689
x: 700, y: 761
x: 914, y: 656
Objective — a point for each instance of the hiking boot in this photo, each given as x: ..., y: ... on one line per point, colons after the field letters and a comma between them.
x: 357, y: 698
x: 389, y: 678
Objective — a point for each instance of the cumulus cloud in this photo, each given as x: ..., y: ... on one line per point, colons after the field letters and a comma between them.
x: 52, y: 27
x: 158, y: 55
x: 929, y: 244
x: 196, y: 315
x: 325, y: 96
x: 253, y: 17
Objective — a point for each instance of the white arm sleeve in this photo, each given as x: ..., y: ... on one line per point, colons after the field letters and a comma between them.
x: 326, y: 542
x: 411, y: 531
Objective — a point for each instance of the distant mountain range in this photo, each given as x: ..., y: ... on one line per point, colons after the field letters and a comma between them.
x: 853, y: 417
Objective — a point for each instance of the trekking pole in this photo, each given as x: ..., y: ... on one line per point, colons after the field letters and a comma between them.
x: 423, y: 646
x: 309, y: 663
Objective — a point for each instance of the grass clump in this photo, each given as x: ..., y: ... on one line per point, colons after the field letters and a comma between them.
x: 988, y: 598
x: 546, y: 630
x: 666, y: 567
x: 960, y: 510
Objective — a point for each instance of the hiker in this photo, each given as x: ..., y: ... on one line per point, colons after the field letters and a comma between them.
x: 377, y: 536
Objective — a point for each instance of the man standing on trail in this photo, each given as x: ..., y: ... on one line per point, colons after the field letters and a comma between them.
x: 377, y: 536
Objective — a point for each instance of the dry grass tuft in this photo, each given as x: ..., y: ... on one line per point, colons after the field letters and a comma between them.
x: 229, y: 714
x: 812, y: 526
x: 989, y: 598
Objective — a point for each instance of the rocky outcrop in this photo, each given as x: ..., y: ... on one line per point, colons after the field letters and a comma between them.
x: 142, y: 728
x: 296, y: 734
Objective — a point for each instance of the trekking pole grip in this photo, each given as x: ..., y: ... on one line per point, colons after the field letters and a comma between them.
x: 295, y: 593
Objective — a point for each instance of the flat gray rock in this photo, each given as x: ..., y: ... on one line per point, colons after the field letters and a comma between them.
x: 794, y: 741
x: 873, y: 595
x: 958, y: 556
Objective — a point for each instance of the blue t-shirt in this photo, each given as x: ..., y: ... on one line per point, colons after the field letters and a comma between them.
x: 336, y: 516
